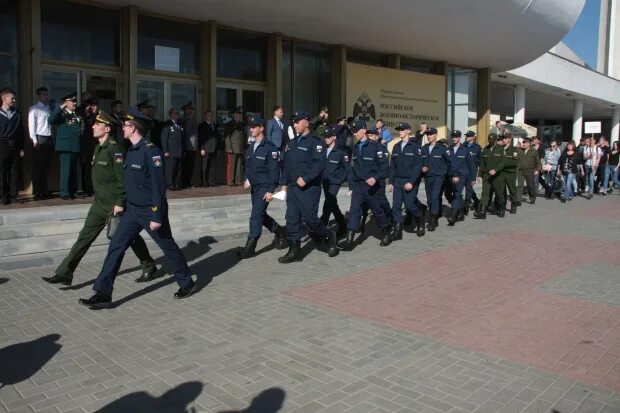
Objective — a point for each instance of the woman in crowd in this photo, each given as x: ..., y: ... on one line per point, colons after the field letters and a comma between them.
x: 612, y: 165
x: 591, y: 155
x: 569, y: 166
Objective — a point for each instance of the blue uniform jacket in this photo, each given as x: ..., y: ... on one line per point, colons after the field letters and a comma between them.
x: 436, y: 161
x: 406, y: 162
x: 262, y: 165
x: 304, y: 157
x: 337, y: 167
x: 145, y: 182
x: 460, y: 163
x: 369, y: 161
x: 475, y: 152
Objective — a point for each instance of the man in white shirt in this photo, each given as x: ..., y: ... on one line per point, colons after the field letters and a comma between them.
x: 40, y: 132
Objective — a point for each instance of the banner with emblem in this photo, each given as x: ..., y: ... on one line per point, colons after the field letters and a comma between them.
x: 396, y: 96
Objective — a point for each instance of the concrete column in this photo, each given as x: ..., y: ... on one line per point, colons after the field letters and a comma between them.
x: 577, y: 120
x: 208, y: 63
x: 615, y: 125
x: 129, y: 54
x: 339, y: 81
x: 484, y: 105
x: 519, y: 115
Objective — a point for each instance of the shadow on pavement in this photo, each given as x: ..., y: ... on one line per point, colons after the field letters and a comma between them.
x: 175, y: 400
x: 3, y: 280
x: 268, y: 401
x: 21, y: 361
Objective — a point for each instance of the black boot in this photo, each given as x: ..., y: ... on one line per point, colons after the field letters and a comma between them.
x: 397, y: 232
x: 342, y: 227
x: 363, y: 223
x: 387, y: 239
x: 249, y: 250
x: 432, y: 223
x: 532, y: 200
x: 480, y: 213
x: 55, y: 279
x: 452, y: 218
x: 501, y: 211
x: 280, y: 237
x: 466, y: 209
x: 332, y: 244
x: 293, y: 254
x: 98, y: 300
x: 347, y: 245
x: 408, y: 218
x: 513, y: 207
x: 418, y: 223
x: 460, y: 216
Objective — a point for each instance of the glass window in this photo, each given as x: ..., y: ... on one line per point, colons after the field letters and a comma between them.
x: 462, y: 99
x: 153, y: 91
x: 69, y: 32
x: 241, y: 55
x: 8, y: 72
x: 366, y: 58
x: 59, y: 84
x: 287, y: 78
x: 168, y: 45
x: 8, y: 26
x: 313, y: 81
x: 180, y: 94
x: 419, y: 66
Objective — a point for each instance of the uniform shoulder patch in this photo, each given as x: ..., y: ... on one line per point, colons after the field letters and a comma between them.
x: 274, y: 155
x: 319, y: 148
x: 118, y: 157
x: 346, y: 158
x: 154, y: 209
x: 157, y: 161
x: 380, y: 154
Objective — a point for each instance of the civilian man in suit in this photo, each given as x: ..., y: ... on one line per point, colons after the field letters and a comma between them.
x: 209, y: 139
x: 190, y: 144
x: 275, y: 128
x: 172, y: 146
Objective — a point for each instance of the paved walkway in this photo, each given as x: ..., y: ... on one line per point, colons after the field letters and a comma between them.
x: 513, y: 315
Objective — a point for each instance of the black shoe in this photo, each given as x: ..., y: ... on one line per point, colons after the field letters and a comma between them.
x: 480, y: 214
x: 55, y: 279
x: 332, y: 244
x: 452, y: 218
x: 513, y: 208
x: 460, y: 215
x: 418, y: 226
x: 347, y: 244
x: 387, y: 239
x: 65, y: 197
x: 293, y: 254
x: 408, y: 219
x: 186, y: 292
x: 397, y: 232
x: 432, y: 223
x: 532, y: 200
x: 146, y: 276
x: 501, y: 212
x: 280, y: 237
x: 562, y: 200
x: 98, y: 300
x: 249, y: 250
x: 466, y: 208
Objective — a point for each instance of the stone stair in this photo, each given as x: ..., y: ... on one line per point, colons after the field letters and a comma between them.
x: 31, y: 237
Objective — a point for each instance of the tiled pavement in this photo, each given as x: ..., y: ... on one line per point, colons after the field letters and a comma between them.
x: 513, y: 315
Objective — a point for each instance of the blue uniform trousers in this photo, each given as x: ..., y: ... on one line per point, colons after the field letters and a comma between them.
x: 433, y: 185
x: 366, y: 196
x: 260, y: 217
x: 330, y: 205
x: 303, y: 204
x: 456, y: 192
x: 133, y: 221
x: 401, y: 196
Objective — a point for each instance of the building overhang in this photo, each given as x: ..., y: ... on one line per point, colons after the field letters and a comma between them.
x: 501, y: 34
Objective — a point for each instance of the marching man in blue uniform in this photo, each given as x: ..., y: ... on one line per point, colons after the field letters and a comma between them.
x: 460, y: 169
x: 147, y: 208
x: 262, y: 175
x: 337, y: 170
x: 304, y: 161
x: 369, y: 166
x: 434, y: 168
x: 475, y: 151
x: 404, y: 180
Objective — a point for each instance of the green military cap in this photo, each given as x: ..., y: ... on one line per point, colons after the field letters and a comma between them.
x: 492, y: 137
x: 103, y: 117
x: 527, y: 138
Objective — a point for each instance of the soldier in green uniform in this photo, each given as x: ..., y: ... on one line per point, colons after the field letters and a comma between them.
x: 509, y: 174
x: 528, y: 167
x: 319, y: 123
x: 490, y: 167
x: 69, y: 128
x: 109, y: 187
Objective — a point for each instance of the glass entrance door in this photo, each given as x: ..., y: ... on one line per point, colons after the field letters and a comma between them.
x: 165, y: 94
x: 61, y: 81
x: 229, y: 97
x: 103, y: 88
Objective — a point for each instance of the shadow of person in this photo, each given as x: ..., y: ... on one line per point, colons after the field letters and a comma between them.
x: 268, y: 401
x: 192, y: 251
x: 3, y: 280
x: 173, y: 401
x: 21, y: 361
x: 213, y: 266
